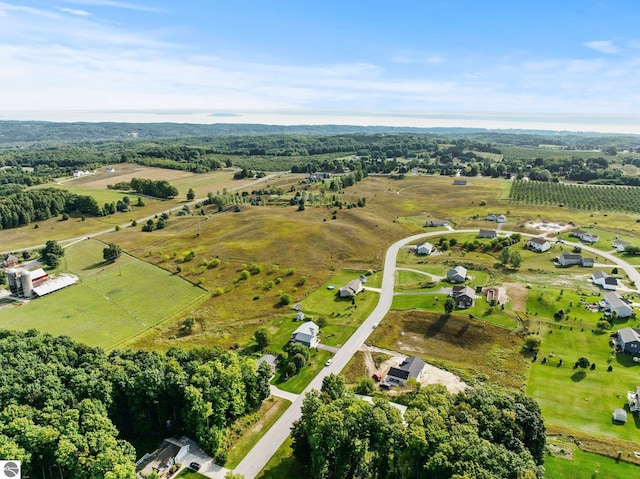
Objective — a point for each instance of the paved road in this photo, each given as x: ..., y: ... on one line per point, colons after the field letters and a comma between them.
x: 258, y: 457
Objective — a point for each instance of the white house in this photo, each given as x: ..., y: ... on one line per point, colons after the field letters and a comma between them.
x: 584, y: 236
x: 307, y: 334
x: 351, y: 288
x: 604, y: 280
x: 501, y: 218
x: 424, y: 248
x: 457, y: 274
x: 539, y: 244
x: 612, y: 302
x: 620, y: 245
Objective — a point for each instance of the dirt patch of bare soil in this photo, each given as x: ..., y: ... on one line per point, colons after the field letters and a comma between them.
x: 562, y: 452
x: 517, y: 293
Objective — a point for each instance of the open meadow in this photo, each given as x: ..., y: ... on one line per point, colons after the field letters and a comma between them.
x: 111, y: 303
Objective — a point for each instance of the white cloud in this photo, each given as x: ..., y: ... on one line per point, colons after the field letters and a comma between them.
x: 72, y: 11
x: 602, y: 46
x: 115, y: 4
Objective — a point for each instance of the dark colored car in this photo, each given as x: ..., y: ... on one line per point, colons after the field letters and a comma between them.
x: 194, y: 466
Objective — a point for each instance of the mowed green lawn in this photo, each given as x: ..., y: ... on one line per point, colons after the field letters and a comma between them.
x: 110, y: 304
x: 586, y: 465
x: 582, y: 400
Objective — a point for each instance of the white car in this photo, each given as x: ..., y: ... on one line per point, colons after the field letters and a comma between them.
x: 329, y: 361
x: 375, y: 325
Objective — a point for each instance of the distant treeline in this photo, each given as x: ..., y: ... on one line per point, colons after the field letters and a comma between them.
x: 47, y: 133
x: 26, y: 206
x: 156, y: 188
x: 70, y: 410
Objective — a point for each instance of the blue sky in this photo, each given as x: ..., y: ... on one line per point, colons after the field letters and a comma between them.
x: 543, y: 62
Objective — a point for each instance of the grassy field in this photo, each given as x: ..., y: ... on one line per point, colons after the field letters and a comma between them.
x: 110, y: 304
x: 574, y: 463
x: 283, y: 465
x: 467, y: 346
x: 249, y: 434
x: 582, y: 400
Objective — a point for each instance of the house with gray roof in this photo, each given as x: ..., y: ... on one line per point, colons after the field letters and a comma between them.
x: 620, y: 245
x: 424, y: 248
x: 629, y: 340
x: 569, y: 259
x: 409, y: 368
x: 464, y: 296
x: 611, y: 302
x: 352, y: 288
x: 539, y: 244
x: 487, y: 234
x: 585, y: 236
x: 160, y: 461
x: 457, y: 274
x: 307, y: 334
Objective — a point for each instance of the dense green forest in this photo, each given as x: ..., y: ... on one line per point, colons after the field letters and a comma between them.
x: 71, y: 410
x: 479, y: 433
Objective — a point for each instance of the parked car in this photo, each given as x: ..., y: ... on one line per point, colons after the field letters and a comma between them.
x: 194, y: 466
x: 376, y: 377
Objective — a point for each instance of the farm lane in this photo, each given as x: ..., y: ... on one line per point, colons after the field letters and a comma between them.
x: 258, y: 457
x: 68, y: 241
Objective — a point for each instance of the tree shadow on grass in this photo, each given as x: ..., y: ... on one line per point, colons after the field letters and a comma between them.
x: 101, y: 264
x: 437, y: 326
x: 625, y: 360
x: 578, y: 376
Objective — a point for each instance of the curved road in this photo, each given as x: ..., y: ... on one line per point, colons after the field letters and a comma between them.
x: 258, y: 457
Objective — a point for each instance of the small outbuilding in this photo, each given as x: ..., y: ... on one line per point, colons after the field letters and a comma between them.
x: 620, y: 415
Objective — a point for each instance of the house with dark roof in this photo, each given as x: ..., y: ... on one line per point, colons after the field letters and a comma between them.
x: 457, y: 274
x: 160, y: 461
x: 460, y: 182
x: 352, y: 288
x: 629, y: 340
x: 409, y: 368
x: 464, y: 296
x: 604, y: 280
x: 487, y: 234
x: 539, y: 245
x: 306, y: 334
x: 569, y: 259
